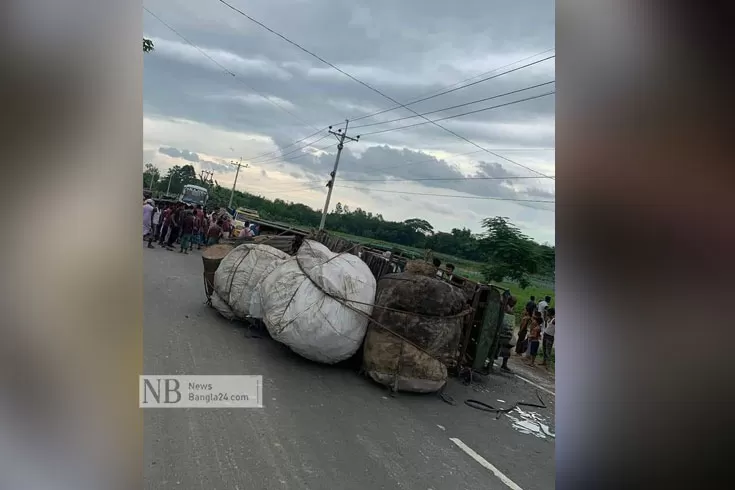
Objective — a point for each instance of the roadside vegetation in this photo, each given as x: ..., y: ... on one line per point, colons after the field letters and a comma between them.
x: 500, y: 254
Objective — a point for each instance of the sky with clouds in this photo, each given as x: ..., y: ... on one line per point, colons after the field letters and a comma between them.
x: 243, y: 92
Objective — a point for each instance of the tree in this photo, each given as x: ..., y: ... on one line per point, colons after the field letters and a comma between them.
x: 419, y: 225
x: 147, y: 45
x: 151, y: 175
x: 179, y: 177
x: 509, y: 253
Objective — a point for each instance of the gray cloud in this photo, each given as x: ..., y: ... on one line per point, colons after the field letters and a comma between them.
x: 384, y: 165
x: 218, y: 167
x: 176, y: 153
x: 406, y: 49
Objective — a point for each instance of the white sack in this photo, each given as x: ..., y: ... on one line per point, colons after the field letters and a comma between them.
x: 240, y: 273
x: 310, y: 322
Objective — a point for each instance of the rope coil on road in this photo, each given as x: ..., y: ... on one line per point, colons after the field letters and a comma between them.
x: 478, y: 405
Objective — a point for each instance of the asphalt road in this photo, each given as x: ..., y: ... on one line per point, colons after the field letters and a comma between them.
x: 322, y: 427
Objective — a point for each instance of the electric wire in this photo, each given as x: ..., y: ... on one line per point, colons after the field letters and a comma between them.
x: 416, y: 101
x: 228, y: 71
x: 429, y: 121
x: 370, y: 189
x: 366, y: 85
x: 458, y: 105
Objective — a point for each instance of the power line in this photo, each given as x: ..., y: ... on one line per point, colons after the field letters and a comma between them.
x: 414, y: 162
x: 459, y: 105
x: 299, y: 156
x: 284, y: 147
x: 429, y: 121
x: 226, y: 70
x: 450, y: 195
x: 454, y: 89
x: 423, y: 179
x: 292, y: 151
x: 323, y: 148
x: 297, y: 189
x: 429, y: 179
x: 373, y: 88
x: 499, y: 68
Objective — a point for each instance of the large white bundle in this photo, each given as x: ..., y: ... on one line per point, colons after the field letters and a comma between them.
x: 240, y: 273
x: 299, y: 306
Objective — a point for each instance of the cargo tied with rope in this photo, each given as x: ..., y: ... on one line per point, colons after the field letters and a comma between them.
x: 414, y: 333
x: 318, y: 303
x: 238, y: 278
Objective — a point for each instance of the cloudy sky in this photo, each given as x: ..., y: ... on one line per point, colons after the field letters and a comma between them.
x: 245, y: 92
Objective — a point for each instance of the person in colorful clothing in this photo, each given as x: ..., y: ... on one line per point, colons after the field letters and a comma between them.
x: 214, y: 233
x: 506, y: 334
x: 548, y: 339
x: 187, y: 230
x: 534, y: 337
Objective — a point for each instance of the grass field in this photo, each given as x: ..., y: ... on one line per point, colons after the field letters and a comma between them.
x: 471, y: 270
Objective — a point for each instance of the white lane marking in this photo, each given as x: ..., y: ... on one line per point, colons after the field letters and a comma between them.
x: 485, y: 463
x: 536, y: 385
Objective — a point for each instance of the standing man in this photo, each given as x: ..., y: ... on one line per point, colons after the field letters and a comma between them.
x: 154, y: 225
x: 187, y: 230
x: 531, y: 306
x: 166, y: 224
x: 226, y: 227
x: 542, y: 307
x: 506, y: 334
x: 198, y: 226
x: 205, y: 228
x: 175, y: 226
x: 548, y: 343
x: 157, y: 222
x: 148, y: 209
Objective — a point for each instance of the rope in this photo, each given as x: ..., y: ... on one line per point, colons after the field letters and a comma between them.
x: 345, y: 302
x: 478, y: 405
x: 231, y: 277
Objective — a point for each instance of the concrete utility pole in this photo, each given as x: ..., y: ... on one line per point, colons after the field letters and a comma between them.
x: 341, y: 136
x: 206, y: 177
x: 168, y: 189
x: 238, y: 165
x: 153, y: 180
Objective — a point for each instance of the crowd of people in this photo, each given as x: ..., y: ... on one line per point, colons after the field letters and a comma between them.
x: 187, y: 226
x: 537, y: 330
x: 536, y: 333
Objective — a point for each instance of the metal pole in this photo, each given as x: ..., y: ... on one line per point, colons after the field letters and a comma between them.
x: 168, y: 189
x: 342, y: 137
x: 232, y: 194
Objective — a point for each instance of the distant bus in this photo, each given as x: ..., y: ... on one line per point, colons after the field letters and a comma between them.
x: 194, y: 194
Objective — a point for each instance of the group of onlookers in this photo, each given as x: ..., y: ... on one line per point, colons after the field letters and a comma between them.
x: 188, y: 225
x: 537, y: 330
x: 180, y: 223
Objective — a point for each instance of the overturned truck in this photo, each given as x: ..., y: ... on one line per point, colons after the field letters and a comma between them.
x: 329, y: 297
